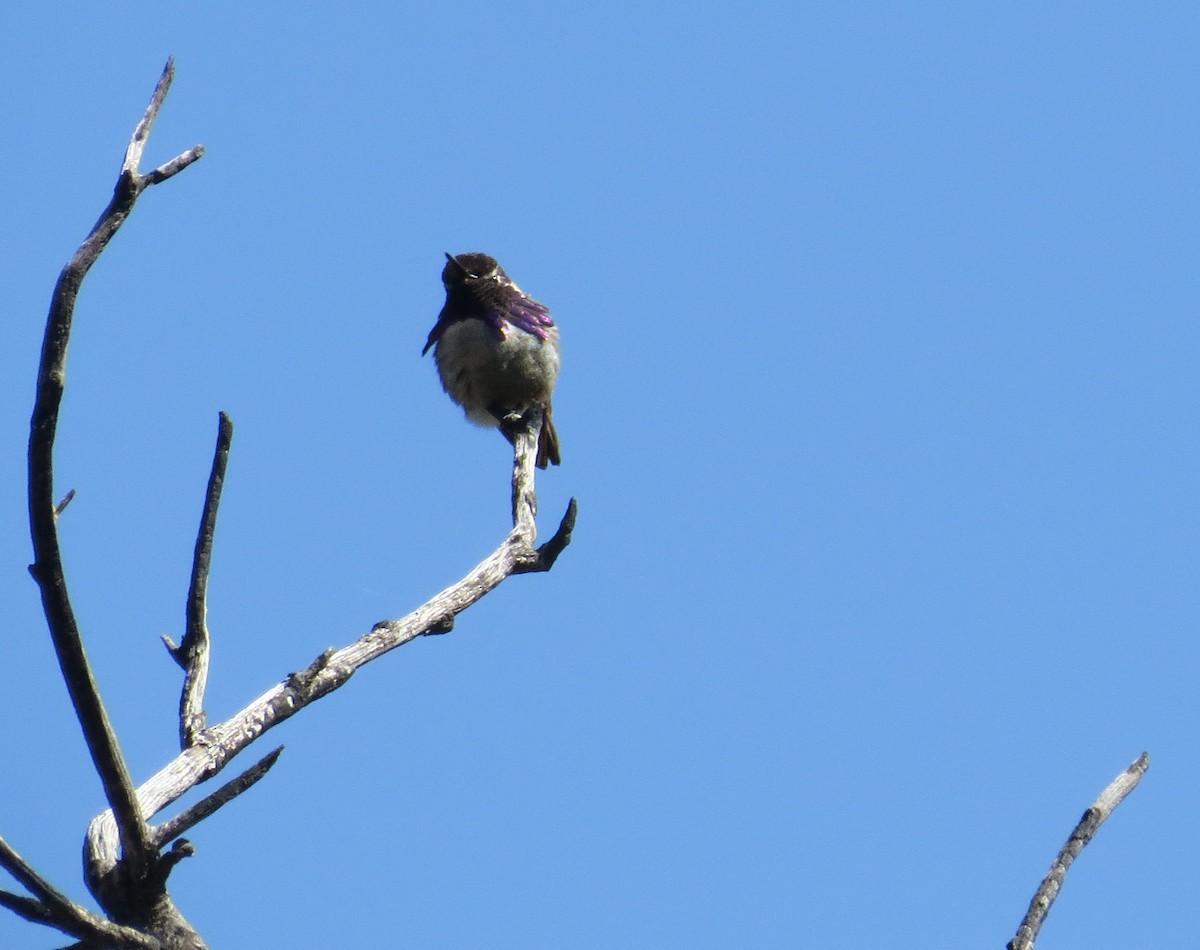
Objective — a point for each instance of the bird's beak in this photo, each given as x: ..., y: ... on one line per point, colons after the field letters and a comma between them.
x: 457, y: 263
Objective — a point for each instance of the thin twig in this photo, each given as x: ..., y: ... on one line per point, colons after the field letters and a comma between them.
x: 170, y: 830
x: 193, y: 653
x: 334, y: 667
x: 47, y: 567
x: 1091, y: 821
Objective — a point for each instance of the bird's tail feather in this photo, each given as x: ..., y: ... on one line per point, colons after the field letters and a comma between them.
x: 548, y: 452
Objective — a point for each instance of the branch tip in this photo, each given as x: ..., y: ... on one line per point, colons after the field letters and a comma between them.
x: 141, y: 133
x: 543, y: 558
x: 193, y: 652
x: 1112, y: 796
x: 174, y: 166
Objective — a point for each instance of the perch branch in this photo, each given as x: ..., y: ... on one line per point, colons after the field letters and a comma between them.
x: 192, y: 654
x: 524, y: 500
x: 334, y: 667
x: 522, y: 430
x: 47, y: 567
x: 1088, y: 825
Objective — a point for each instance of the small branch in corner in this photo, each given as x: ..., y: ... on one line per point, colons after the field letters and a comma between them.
x: 1089, y: 824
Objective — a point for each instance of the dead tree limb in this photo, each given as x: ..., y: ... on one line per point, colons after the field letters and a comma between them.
x: 125, y: 867
x: 52, y: 908
x: 1088, y: 825
x: 47, y: 568
x: 334, y: 667
x: 138, y: 851
x: 193, y: 652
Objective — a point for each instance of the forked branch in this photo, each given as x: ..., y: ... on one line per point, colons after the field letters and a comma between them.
x: 47, y: 568
x: 332, y: 669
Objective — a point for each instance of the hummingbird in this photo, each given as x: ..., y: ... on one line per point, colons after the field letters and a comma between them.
x: 496, y: 348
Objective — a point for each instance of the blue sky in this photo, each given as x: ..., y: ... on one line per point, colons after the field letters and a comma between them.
x: 878, y: 398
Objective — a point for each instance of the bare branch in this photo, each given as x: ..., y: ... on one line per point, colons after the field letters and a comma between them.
x: 141, y: 133
x: 123, y: 865
x: 27, y: 907
x: 1088, y: 825
x: 334, y: 667
x: 174, y: 166
x: 55, y: 909
x: 169, y: 830
x: 544, y: 557
x: 47, y: 568
x: 193, y: 653
x: 521, y: 431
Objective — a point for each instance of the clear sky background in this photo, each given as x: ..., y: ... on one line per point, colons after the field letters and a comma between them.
x: 878, y: 397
